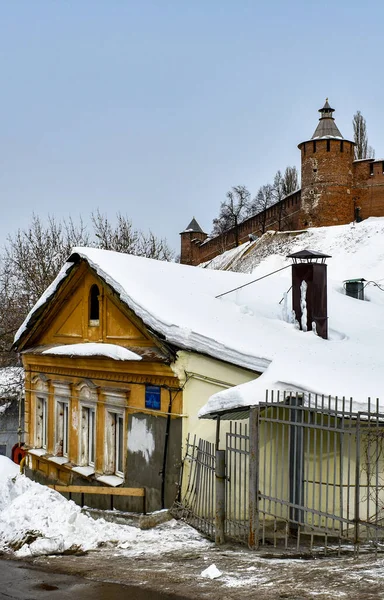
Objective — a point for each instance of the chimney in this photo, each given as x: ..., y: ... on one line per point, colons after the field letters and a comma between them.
x: 309, y: 290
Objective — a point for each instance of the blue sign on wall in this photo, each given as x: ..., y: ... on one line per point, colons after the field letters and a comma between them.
x: 152, y: 396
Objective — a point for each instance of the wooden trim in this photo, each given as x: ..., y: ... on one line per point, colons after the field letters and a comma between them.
x: 105, y: 491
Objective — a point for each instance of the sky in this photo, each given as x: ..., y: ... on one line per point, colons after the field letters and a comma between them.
x: 155, y: 109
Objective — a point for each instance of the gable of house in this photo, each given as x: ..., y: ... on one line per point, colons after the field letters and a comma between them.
x: 67, y: 317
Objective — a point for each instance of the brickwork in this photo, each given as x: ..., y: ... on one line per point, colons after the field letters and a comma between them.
x: 335, y: 190
x: 327, y: 183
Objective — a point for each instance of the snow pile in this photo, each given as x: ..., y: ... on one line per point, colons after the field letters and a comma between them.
x: 7, y: 469
x: 94, y: 349
x: 36, y: 520
x: 212, y: 572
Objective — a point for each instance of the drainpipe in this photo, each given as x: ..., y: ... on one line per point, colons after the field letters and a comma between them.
x: 166, y: 441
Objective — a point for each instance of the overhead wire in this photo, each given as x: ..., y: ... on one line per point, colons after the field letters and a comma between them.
x: 250, y: 282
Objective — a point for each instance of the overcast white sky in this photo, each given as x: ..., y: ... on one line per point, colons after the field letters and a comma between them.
x: 156, y: 108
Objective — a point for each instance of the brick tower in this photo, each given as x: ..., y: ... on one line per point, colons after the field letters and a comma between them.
x: 326, y: 175
x: 191, y: 239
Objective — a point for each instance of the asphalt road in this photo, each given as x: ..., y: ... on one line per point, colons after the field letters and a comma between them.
x: 20, y: 581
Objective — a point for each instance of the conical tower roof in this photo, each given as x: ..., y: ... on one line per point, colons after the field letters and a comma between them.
x: 194, y: 226
x: 327, y: 126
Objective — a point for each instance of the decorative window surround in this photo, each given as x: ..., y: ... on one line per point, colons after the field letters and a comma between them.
x: 87, y: 392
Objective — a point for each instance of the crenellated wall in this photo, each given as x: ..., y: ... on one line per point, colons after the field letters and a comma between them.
x: 336, y: 189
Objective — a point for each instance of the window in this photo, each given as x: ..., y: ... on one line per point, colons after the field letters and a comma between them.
x: 88, y: 436
x: 94, y: 307
x: 87, y: 392
x: 153, y: 397
x: 61, y: 440
x: 371, y: 168
x: 342, y: 146
x: 41, y: 422
x: 328, y: 145
x: 61, y: 396
x: 115, y: 443
x: 115, y: 431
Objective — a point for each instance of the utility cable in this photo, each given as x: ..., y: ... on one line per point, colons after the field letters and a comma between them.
x: 254, y: 281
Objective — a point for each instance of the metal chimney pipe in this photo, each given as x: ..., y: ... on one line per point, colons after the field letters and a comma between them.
x: 309, y: 291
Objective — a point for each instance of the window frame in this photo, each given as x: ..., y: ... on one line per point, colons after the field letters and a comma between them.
x: 40, y: 411
x: 41, y: 429
x: 62, y: 399
x: 93, y: 302
x: 115, y: 435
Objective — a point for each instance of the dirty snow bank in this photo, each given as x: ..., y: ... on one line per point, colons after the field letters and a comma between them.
x: 36, y: 520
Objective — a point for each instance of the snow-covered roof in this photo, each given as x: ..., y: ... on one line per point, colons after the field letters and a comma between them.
x: 94, y: 349
x: 178, y: 302
x: 351, y: 362
x: 252, y: 327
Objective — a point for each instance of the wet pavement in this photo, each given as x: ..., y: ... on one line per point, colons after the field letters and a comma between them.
x: 20, y: 581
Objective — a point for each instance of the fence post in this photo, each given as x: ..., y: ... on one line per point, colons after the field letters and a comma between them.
x: 254, y: 521
x: 220, y: 497
x: 357, y: 485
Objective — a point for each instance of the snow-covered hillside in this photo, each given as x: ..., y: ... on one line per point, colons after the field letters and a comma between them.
x: 351, y: 362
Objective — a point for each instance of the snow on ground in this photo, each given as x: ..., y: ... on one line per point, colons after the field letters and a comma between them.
x: 36, y: 520
x: 94, y: 349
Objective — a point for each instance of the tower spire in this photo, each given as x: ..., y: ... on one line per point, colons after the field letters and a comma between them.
x: 327, y: 126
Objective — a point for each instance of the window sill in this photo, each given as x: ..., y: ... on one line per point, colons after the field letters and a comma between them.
x: 59, y: 460
x: 86, y: 471
x: 37, y: 451
x: 112, y: 480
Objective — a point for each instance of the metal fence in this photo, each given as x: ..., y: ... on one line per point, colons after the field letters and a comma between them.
x: 197, y: 505
x: 237, y: 481
x: 303, y: 471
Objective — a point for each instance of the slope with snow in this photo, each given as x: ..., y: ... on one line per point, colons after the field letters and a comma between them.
x: 351, y: 362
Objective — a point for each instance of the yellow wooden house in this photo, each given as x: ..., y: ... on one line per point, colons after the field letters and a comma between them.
x: 113, y: 377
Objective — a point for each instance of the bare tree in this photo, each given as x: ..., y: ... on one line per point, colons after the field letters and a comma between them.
x: 263, y: 200
x: 121, y: 237
x: 290, y: 181
x: 362, y: 149
x: 34, y: 256
x: 31, y: 260
x: 151, y: 246
x: 232, y: 211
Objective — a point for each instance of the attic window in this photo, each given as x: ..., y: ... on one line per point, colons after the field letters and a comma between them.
x: 94, y: 306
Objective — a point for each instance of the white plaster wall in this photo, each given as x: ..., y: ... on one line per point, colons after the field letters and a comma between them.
x: 204, y: 376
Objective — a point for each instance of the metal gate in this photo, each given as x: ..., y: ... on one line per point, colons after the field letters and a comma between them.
x: 302, y: 471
